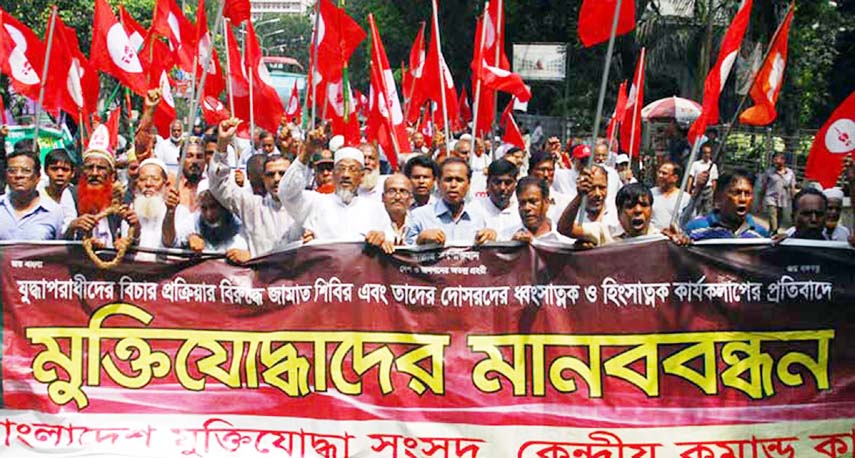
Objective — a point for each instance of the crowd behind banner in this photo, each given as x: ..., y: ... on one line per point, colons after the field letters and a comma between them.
x: 246, y: 198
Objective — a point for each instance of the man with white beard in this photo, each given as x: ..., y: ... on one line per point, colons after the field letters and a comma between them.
x: 343, y: 215
x: 371, y: 185
x: 155, y: 211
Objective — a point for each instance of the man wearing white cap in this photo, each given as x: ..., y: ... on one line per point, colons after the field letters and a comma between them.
x: 95, y: 194
x: 833, y: 229
x: 156, y: 205
x: 342, y: 215
x: 267, y: 222
x: 624, y: 170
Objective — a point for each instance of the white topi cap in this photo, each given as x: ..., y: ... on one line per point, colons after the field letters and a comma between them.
x: 833, y: 193
x: 349, y: 152
x: 336, y: 143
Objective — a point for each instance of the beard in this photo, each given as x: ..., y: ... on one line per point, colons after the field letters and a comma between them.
x: 149, y: 208
x: 346, y: 195
x: 93, y: 199
x: 369, y: 181
x: 220, y: 231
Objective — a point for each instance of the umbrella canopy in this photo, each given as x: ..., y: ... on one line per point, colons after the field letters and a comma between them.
x: 683, y: 110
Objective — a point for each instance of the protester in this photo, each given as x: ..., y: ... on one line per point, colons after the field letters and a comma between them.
x: 665, y: 195
x: 480, y: 158
x: 397, y: 199
x: 533, y: 208
x: 419, y: 145
x: 322, y: 164
x: 95, y: 193
x: 542, y: 165
x: 169, y: 149
x: 423, y: 172
x: 60, y: 171
x: 342, y: 215
x: 26, y: 215
x: 371, y: 185
x: 268, y: 224
x: 192, y: 173
x: 624, y: 170
x: 730, y: 218
x: 267, y: 143
x: 809, y: 207
x: 634, y: 203
x: 155, y: 204
x: 450, y: 219
x: 214, y: 230
x: 462, y: 149
x: 778, y: 189
x: 595, y: 182
x: 601, y: 157
x: 704, y: 202
x: 254, y: 174
x: 833, y: 229
x: 499, y: 207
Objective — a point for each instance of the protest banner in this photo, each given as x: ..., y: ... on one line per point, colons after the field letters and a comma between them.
x: 632, y: 350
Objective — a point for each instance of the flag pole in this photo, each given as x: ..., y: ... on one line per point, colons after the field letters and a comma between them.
x: 602, y: 97
x: 636, y: 109
x: 226, y: 30
x: 478, y: 80
x: 441, y: 62
x: 44, y: 78
x: 498, y: 54
x: 313, y: 57
x: 413, y: 82
x: 735, y: 117
x: 382, y: 76
x: 195, y: 102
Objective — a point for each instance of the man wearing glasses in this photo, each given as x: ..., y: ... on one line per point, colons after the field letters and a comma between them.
x: 24, y: 215
x: 342, y: 215
x: 397, y: 198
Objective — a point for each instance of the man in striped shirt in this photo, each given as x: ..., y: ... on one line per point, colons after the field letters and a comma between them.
x: 729, y: 218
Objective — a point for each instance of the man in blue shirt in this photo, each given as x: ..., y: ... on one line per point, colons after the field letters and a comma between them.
x: 24, y: 214
x: 730, y: 218
x: 447, y: 220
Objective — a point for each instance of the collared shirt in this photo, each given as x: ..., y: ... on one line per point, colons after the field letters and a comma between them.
x: 703, y: 166
x: 397, y: 234
x: 709, y: 227
x: 779, y: 187
x: 663, y: 207
x: 438, y: 216
x: 553, y: 236
x: 431, y: 200
x: 42, y: 222
x: 329, y: 217
x: 497, y: 218
x: 268, y: 224
x: 169, y: 153
x: 66, y: 203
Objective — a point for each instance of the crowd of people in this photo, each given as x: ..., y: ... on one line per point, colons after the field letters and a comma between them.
x: 246, y: 199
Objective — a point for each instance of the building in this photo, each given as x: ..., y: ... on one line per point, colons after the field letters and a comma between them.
x: 260, y: 7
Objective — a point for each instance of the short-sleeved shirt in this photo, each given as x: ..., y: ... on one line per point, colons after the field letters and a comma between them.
x: 663, y: 207
x: 779, y: 187
x: 701, y: 166
x: 709, y: 226
x: 42, y: 222
x: 438, y: 216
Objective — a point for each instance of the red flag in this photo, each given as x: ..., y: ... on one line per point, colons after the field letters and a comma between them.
x: 429, y: 86
x: 770, y: 78
x: 417, y: 54
x: 596, y: 18
x: 494, y: 36
x: 338, y: 37
x: 465, y: 108
x: 215, y: 82
x: 404, y: 81
x: 348, y: 125
x: 718, y: 74
x: 503, y: 80
x: 169, y: 22
x: 22, y: 55
x: 386, y: 119
x: 214, y: 110
x: 630, y: 128
x: 113, y: 127
x: 617, y: 115
x: 426, y: 127
x: 484, y: 96
x: 236, y: 10
x: 512, y: 133
x: 832, y: 143
x: 136, y: 32
x: 240, y: 83
x: 2, y: 104
x: 267, y: 106
x: 72, y: 83
x: 158, y: 77
x: 112, y: 52
x: 294, y: 111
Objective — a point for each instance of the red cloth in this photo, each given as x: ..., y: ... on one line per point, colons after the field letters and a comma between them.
x: 22, y: 56
x: 596, y: 18
x: 386, y: 123
x: 112, y: 52
x: 832, y: 143
x: 770, y: 78
x: 630, y: 128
